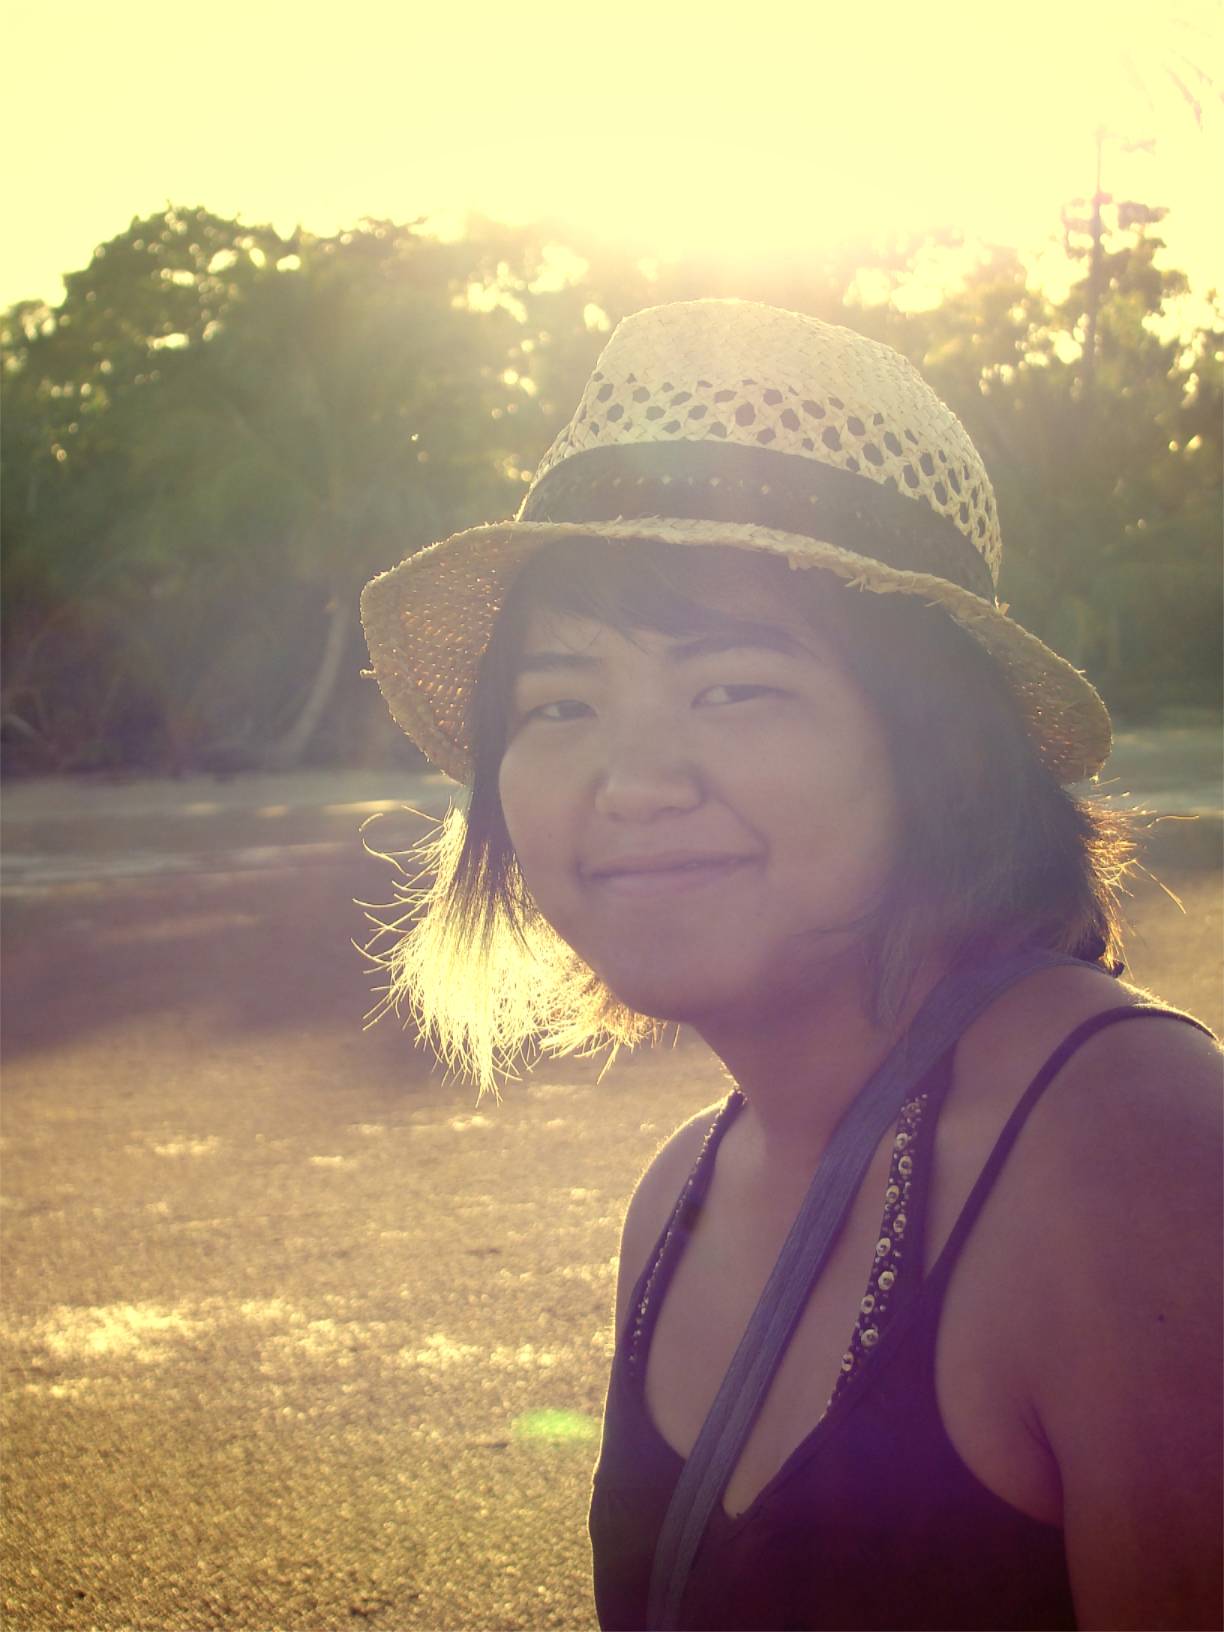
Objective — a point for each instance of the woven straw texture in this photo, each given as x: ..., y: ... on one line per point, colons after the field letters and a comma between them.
x: 729, y: 371
x: 738, y: 373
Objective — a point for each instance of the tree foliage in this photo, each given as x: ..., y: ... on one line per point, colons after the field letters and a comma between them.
x: 220, y: 433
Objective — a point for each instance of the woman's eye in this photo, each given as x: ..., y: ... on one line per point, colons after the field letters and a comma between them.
x: 563, y: 708
x: 719, y: 696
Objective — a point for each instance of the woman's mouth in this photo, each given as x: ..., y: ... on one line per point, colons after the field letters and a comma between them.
x: 668, y: 874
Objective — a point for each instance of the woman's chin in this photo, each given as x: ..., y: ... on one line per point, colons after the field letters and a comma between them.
x: 688, y: 997
x: 667, y: 998
x: 709, y: 997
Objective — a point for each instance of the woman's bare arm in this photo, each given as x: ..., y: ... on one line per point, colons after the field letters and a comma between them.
x: 1125, y: 1361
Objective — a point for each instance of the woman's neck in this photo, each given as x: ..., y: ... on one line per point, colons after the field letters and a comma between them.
x: 800, y: 1071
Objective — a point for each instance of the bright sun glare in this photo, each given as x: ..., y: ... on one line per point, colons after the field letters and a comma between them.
x: 667, y: 128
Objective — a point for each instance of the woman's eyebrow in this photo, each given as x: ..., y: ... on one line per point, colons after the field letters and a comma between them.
x: 553, y: 662
x: 736, y: 637
x: 740, y: 637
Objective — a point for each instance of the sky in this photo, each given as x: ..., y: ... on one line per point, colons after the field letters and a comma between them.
x: 669, y: 125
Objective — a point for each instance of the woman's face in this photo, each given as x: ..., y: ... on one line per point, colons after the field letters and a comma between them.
x: 703, y: 817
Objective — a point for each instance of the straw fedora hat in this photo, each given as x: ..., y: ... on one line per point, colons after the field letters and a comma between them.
x: 730, y: 423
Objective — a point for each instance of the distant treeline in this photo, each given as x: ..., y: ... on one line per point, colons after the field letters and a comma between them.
x: 222, y: 433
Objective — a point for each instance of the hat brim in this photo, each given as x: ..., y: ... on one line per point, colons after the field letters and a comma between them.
x: 428, y: 621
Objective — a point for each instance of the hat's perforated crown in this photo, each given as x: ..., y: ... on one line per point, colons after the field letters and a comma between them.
x: 737, y: 375
x: 733, y: 371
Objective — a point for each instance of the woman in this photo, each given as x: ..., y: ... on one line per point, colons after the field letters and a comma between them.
x: 917, y: 1328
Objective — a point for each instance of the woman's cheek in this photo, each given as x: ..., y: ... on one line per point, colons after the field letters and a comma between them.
x: 510, y: 790
x: 531, y: 809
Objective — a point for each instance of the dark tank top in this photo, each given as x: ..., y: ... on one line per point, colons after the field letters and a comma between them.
x: 874, y: 1521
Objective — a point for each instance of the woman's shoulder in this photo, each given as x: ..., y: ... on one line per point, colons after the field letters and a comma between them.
x: 1127, y: 1118
x: 1139, y: 1057
x: 1130, y: 1116
x: 656, y: 1194
x: 659, y: 1187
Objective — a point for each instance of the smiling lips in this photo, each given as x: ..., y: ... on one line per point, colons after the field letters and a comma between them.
x: 664, y: 873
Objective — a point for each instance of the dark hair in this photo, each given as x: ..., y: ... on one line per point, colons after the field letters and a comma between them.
x: 996, y: 852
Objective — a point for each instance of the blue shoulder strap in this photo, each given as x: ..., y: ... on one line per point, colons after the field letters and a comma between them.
x: 951, y: 1005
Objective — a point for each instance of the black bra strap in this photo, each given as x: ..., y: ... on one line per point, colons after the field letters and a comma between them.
x: 1071, y: 1044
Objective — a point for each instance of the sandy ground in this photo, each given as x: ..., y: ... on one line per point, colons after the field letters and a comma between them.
x: 296, y: 1335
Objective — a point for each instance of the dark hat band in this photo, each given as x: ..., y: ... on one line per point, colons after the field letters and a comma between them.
x: 759, y: 487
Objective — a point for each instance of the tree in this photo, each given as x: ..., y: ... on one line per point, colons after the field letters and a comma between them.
x: 84, y: 383
x: 221, y: 433
x: 253, y: 435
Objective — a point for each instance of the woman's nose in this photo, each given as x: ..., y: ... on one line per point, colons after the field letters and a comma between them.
x: 645, y: 774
